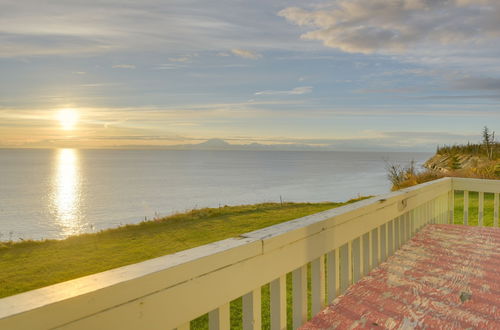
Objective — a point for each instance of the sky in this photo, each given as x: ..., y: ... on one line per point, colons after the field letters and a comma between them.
x: 357, y: 74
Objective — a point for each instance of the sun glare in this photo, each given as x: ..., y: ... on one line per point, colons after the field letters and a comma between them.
x: 67, y: 118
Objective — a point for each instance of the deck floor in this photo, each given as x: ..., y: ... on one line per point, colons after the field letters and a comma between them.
x: 446, y: 277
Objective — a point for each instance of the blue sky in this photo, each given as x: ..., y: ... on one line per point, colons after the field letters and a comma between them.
x: 360, y: 74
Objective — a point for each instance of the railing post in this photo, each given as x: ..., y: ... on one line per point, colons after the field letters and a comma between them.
x: 333, y: 276
x: 451, y: 206
x: 390, y: 237
x: 383, y: 242
x: 366, y: 251
x: 278, y: 303
x: 407, y: 226
x: 317, y: 284
x: 219, y: 318
x: 480, y: 211
x: 466, y: 207
x: 356, y: 259
x: 495, y: 210
x: 397, y: 235
x: 345, y: 266
x: 251, y: 310
x: 375, y: 247
x: 299, y: 289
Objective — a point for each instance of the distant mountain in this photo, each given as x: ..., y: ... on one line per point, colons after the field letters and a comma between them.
x: 219, y: 144
x: 341, y: 145
x: 214, y: 143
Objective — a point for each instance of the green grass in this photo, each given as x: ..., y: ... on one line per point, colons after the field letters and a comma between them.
x: 34, y: 264
x: 473, y: 208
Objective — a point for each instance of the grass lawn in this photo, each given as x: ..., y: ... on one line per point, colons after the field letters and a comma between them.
x: 473, y: 208
x: 34, y: 264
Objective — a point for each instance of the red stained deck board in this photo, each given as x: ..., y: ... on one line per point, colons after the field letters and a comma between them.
x: 446, y: 277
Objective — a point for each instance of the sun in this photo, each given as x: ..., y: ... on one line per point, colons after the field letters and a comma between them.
x: 67, y: 118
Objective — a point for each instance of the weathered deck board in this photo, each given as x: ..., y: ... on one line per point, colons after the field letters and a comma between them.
x: 447, y: 276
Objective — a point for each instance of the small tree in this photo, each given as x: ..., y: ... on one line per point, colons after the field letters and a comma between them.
x: 488, y: 142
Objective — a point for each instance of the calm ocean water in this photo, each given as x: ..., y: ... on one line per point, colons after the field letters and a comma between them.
x: 61, y: 192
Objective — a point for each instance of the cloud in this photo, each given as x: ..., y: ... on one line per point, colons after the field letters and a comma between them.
x: 246, y: 53
x: 477, y: 83
x: 124, y: 66
x: 182, y: 59
x: 31, y: 27
x: 397, y: 26
x: 295, y: 91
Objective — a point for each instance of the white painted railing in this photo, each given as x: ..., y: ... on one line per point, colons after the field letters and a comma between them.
x: 464, y: 187
x: 339, y: 246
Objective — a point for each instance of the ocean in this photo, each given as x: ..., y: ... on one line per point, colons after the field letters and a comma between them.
x: 55, y: 193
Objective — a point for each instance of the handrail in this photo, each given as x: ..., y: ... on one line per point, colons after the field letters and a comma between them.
x: 340, y: 245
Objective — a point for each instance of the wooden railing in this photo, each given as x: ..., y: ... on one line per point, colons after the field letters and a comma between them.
x: 339, y: 246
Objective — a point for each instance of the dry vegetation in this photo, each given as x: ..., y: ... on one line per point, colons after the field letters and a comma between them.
x: 480, y: 161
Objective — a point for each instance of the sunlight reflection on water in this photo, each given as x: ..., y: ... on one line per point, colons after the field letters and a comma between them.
x: 66, y: 192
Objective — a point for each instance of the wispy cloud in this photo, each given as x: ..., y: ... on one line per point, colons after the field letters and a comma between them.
x: 477, y: 83
x: 295, y: 91
x: 170, y: 66
x: 28, y: 28
x: 246, y: 53
x: 123, y: 66
x: 182, y: 59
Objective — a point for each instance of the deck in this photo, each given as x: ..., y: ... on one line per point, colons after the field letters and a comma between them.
x: 446, y: 277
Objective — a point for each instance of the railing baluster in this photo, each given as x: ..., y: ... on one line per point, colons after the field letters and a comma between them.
x: 278, y: 303
x: 495, y: 210
x: 425, y: 214
x: 345, y: 267
x: 402, y: 229
x: 219, y: 318
x: 466, y: 207
x: 317, y: 285
x: 418, y: 216
x: 356, y: 260
x: 251, y: 310
x: 367, y: 246
x: 375, y: 247
x: 429, y: 213
x: 397, y: 233
x: 480, y: 211
x: 299, y: 279
x: 444, y: 208
x: 383, y: 242
x: 422, y: 216
x: 407, y: 226
x: 390, y: 237
x: 440, y: 209
x: 333, y: 277
x: 412, y: 222
x: 432, y: 211
x: 451, y: 207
